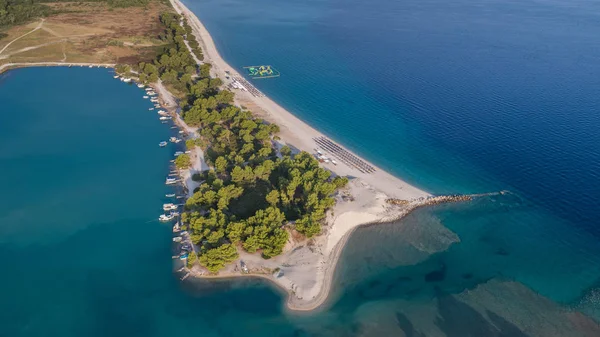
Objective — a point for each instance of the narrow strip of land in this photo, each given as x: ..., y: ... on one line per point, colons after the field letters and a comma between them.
x: 306, y: 268
x: 7, y: 66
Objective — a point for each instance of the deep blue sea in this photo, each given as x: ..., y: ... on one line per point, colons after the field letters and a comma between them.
x: 462, y: 96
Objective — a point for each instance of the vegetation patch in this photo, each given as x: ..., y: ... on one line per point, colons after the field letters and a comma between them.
x: 251, y: 195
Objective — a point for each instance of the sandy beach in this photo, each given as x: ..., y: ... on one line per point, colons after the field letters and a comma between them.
x: 307, y: 267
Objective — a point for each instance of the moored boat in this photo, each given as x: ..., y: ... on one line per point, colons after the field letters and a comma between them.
x: 169, y: 207
x: 162, y: 144
x: 170, y: 181
x: 172, y: 195
x: 166, y: 217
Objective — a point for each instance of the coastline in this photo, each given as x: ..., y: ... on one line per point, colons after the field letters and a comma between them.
x: 310, y: 264
x: 9, y: 66
x: 306, y: 268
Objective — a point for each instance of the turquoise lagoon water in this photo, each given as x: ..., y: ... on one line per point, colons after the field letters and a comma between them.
x: 468, y: 96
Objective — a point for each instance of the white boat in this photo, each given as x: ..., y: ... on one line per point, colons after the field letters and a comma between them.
x: 166, y: 217
x: 140, y: 85
x: 116, y: 76
x: 157, y: 106
x: 174, y: 140
x: 90, y: 67
x: 161, y: 111
x: 150, y: 109
x: 145, y: 97
x: 151, y: 93
x: 172, y: 195
x: 149, y: 89
x: 127, y: 80
x: 162, y: 144
x: 169, y: 207
x: 170, y: 181
x: 178, y: 153
x: 164, y: 118
x: 177, y: 239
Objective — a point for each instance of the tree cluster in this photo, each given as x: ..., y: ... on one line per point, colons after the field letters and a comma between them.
x: 175, y: 65
x: 252, y: 193
x: 13, y: 12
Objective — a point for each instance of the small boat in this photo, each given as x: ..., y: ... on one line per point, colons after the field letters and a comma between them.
x: 174, y: 140
x: 151, y: 93
x: 178, y: 153
x: 164, y: 118
x: 183, y: 256
x: 181, y: 131
x: 157, y: 106
x: 162, y: 113
x: 177, y: 239
x: 169, y: 207
x: 90, y: 66
x: 166, y: 217
x: 150, y: 109
x: 162, y: 144
x: 127, y: 80
x: 146, y: 97
x: 140, y: 85
x: 172, y: 195
x: 116, y: 76
x: 170, y: 181
x: 149, y: 89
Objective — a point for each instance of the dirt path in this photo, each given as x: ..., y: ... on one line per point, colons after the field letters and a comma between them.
x: 33, y: 30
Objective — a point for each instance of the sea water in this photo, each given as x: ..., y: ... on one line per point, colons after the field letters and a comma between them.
x: 466, y: 96
x: 456, y: 97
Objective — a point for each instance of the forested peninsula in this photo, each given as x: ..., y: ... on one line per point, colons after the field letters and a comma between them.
x: 253, y: 194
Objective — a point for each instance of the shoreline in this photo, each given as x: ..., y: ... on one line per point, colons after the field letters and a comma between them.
x: 312, y: 263
x: 10, y: 66
x: 306, y: 268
